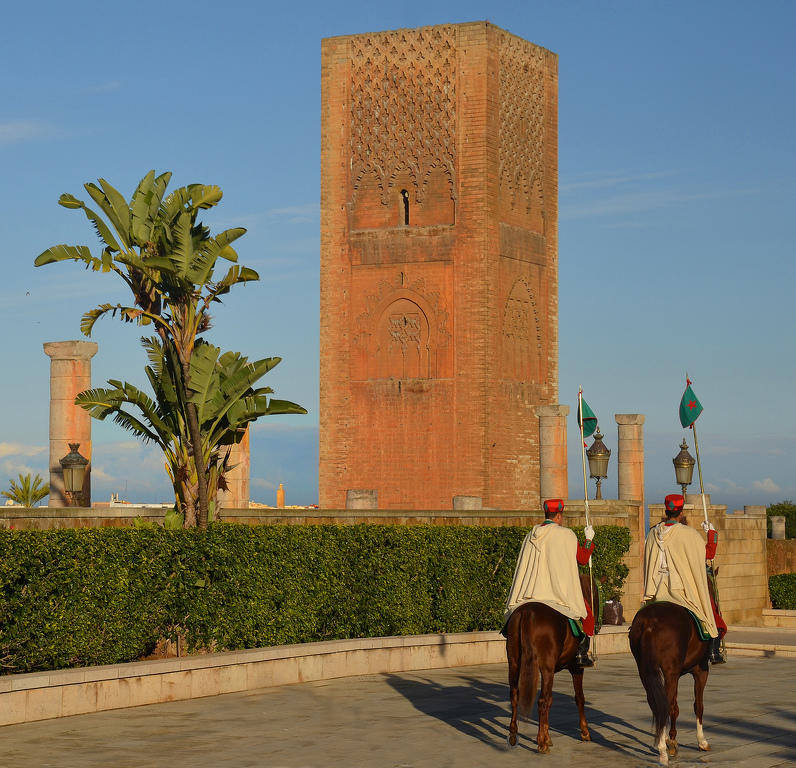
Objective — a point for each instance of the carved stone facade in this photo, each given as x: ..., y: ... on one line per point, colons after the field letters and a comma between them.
x: 439, y: 265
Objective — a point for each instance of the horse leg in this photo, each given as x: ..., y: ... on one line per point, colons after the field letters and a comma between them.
x: 543, y: 740
x: 580, y: 700
x: 514, y: 686
x: 700, y: 679
x: 674, y: 711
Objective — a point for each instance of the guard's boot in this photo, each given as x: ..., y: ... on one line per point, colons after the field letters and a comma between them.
x: 582, y: 655
x: 716, y: 656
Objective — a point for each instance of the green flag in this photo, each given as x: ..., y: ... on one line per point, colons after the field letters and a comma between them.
x: 589, y: 419
x: 690, y: 407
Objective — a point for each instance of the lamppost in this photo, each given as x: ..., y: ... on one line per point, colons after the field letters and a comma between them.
x: 598, y: 456
x: 684, y: 467
x: 74, y: 466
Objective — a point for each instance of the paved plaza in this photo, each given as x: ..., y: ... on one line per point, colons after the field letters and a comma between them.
x: 440, y: 718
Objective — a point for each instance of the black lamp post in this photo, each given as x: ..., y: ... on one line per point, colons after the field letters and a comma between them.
x: 598, y: 456
x: 684, y: 467
x: 74, y: 466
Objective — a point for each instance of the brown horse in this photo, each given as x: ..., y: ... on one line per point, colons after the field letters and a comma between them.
x: 540, y: 640
x: 666, y: 645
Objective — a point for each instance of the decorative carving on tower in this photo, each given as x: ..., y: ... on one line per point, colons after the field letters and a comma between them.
x: 403, y: 333
x: 522, y: 334
x: 403, y: 107
x: 522, y: 113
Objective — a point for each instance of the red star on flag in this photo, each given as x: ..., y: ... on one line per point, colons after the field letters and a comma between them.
x: 692, y: 404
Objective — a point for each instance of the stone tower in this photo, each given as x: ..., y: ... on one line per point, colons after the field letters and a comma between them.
x: 439, y: 265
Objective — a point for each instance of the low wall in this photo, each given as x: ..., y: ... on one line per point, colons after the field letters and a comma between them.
x: 781, y: 556
x: 46, y: 695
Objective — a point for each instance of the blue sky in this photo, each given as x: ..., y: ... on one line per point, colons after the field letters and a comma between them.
x: 677, y: 173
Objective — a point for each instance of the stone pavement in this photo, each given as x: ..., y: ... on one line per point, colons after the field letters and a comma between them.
x: 436, y: 719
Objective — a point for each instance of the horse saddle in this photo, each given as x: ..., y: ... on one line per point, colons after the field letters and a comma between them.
x: 700, y: 625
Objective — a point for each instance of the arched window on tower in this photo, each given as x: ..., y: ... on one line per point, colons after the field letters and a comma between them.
x: 405, y: 204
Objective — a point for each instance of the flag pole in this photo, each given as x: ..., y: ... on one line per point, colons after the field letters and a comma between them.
x: 583, y: 453
x: 699, y: 463
x: 711, y: 571
x: 586, y: 503
x: 699, y: 468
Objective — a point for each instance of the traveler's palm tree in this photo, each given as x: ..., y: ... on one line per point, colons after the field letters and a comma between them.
x: 168, y: 260
x: 225, y: 398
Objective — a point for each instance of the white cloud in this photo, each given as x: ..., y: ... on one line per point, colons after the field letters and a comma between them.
x: 12, y: 469
x: 258, y: 482
x: 633, y: 203
x: 20, y: 449
x: 612, y: 181
x: 112, y: 85
x: 297, y: 214
x: 767, y: 486
x: 13, y: 133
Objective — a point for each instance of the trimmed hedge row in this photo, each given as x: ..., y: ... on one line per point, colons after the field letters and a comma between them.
x: 782, y: 590
x: 79, y: 597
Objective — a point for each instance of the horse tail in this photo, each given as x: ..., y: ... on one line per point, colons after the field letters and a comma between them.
x: 529, y: 673
x: 652, y: 677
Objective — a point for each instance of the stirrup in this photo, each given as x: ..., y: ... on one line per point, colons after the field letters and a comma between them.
x: 716, y: 656
x: 582, y: 658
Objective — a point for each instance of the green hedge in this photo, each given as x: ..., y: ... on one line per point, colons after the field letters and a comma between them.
x: 79, y: 597
x: 782, y: 590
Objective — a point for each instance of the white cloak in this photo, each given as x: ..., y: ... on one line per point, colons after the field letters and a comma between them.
x: 547, y: 572
x: 674, y: 564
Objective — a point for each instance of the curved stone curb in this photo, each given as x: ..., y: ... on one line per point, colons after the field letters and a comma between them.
x: 46, y: 695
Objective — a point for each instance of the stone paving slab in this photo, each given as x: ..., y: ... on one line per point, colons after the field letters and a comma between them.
x: 445, y: 718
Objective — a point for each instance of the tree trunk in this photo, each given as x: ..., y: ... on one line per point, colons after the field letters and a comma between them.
x: 199, y: 463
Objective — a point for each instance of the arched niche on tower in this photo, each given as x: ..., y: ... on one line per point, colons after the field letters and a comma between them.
x: 368, y: 210
x: 403, y: 336
x: 521, y: 338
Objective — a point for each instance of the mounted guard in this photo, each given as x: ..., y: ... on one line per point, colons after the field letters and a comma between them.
x: 674, y: 560
x: 547, y: 572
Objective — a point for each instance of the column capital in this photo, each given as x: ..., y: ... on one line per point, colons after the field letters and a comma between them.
x: 548, y: 411
x: 70, y: 350
x: 629, y: 419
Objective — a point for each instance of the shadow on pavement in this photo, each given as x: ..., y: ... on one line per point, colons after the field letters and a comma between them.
x: 481, y: 710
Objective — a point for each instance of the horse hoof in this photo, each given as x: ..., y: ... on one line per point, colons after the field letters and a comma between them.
x: 544, y: 749
x: 704, y: 747
x: 671, y: 747
x: 585, y: 737
x: 512, y: 740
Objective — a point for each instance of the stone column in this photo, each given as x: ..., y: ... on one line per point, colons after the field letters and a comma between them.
x: 630, y: 456
x: 630, y: 466
x: 237, y: 495
x: 777, y: 526
x: 70, y: 374
x: 553, y: 479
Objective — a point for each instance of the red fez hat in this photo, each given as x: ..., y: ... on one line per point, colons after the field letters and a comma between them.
x: 554, y: 506
x: 674, y: 502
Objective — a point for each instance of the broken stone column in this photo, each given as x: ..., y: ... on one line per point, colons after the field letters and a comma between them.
x: 237, y: 495
x: 777, y: 526
x: 362, y: 498
x: 630, y: 456
x: 553, y: 478
x: 70, y: 374
x: 467, y: 502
